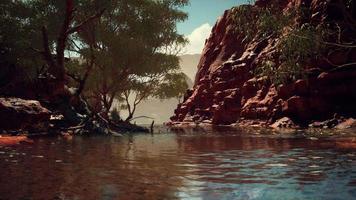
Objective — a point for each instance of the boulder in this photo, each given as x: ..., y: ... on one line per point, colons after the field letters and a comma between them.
x: 348, y: 123
x: 284, y: 122
x: 297, y: 107
x: 25, y: 115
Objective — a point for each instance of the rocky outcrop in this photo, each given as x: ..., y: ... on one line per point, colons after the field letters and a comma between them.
x: 25, y: 115
x: 227, y: 91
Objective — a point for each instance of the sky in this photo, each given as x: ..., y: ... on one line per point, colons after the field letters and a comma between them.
x: 202, y: 17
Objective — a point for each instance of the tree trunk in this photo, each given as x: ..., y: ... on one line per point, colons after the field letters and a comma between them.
x: 59, y: 70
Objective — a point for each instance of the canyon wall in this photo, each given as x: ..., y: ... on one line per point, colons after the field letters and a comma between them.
x: 227, y: 91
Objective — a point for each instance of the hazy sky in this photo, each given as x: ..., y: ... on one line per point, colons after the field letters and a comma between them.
x: 202, y: 16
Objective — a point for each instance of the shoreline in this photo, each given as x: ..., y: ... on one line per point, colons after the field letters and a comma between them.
x: 346, y: 124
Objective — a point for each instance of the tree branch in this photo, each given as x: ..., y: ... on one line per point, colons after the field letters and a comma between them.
x: 47, y: 54
x: 343, y: 66
x: 87, y: 72
x: 89, y: 19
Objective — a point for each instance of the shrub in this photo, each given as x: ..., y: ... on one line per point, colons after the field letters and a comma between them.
x: 244, y: 18
x: 267, y: 21
x: 115, y: 115
x: 296, y: 46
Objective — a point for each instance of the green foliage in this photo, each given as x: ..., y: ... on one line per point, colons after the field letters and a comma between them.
x: 134, y: 40
x: 296, y: 48
x: 268, y: 69
x: 297, y: 43
x: 248, y: 19
x: 301, y: 44
x: 269, y: 22
x: 20, y: 36
x: 244, y: 18
x: 115, y: 115
x: 284, y: 73
x: 135, y: 47
x: 16, y: 38
x: 173, y: 85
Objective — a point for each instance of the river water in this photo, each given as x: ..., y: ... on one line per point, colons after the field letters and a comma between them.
x: 190, y: 164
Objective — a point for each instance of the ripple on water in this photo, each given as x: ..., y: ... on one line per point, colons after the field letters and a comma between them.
x: 276, y: 165
x: 172, y: 166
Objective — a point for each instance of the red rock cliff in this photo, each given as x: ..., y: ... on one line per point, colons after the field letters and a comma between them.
x: 226, y: 91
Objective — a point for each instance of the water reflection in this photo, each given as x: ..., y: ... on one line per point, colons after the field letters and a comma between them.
x: 208, y: 164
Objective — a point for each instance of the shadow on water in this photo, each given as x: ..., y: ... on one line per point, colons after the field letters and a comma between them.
x: 182, y: 164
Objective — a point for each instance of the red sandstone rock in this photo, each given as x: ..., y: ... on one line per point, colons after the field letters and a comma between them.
x: 284, y: 122
x: 226, y: 89
x: 298, y: 107
x: 349, y: 123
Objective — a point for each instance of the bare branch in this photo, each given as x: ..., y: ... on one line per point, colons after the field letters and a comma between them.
x: 343, y: 66
x: 37, y: 50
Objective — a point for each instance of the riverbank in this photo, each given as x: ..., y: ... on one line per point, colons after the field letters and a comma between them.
x: 30, y: 118
x: 282, y: 124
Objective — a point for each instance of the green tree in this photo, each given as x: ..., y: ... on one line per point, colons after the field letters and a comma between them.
x: 16, y: 38
x: 136, y: 45
x: 36, y: 34
x: 123, y: 45
x: 165, y: 86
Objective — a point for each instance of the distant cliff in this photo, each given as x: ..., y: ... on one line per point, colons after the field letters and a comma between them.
x: 228, y: 90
